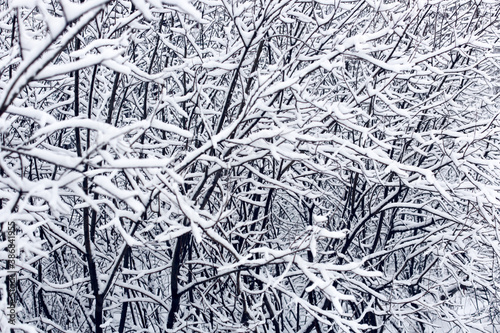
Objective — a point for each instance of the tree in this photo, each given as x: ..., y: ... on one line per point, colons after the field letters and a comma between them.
x: 267, y: 166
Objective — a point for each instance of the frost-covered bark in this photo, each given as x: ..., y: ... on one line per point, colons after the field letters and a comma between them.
x: 263, y: 166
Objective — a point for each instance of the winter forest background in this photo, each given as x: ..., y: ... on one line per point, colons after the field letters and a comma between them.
x: 251, y: 165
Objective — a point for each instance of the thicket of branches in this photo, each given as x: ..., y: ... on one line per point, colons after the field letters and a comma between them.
x: 260, y: 166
